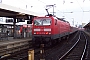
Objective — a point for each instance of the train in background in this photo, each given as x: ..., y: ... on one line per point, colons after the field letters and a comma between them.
x: 23, y: 31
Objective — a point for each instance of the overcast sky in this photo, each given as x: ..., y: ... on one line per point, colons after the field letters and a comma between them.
x: 80, y: 8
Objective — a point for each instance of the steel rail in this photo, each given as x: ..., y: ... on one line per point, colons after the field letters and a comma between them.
x: 85, y: 48
x: 70, y: 48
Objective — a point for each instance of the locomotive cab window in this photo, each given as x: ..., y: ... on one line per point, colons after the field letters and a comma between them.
x: 42, y: 21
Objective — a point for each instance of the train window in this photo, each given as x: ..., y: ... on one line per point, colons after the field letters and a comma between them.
x: 46, y: 22
x: 37, y: 22
x: 55, y: 22
x: 42, y: 21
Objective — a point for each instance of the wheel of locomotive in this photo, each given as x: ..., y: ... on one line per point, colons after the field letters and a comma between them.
x: 65, y: 38
x: 59, y: 40
x: 62, y: 38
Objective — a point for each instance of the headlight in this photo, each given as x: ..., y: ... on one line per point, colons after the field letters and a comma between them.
x: 34, y: 33
x: 49, y: 33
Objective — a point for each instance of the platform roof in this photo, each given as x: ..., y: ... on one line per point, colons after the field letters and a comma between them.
x: 10, y: 11
x: 87, y: 25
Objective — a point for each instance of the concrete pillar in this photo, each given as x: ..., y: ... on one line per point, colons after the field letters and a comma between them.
x: 14, y: 28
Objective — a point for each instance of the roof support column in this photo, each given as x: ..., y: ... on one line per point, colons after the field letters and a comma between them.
x: 14, y: 28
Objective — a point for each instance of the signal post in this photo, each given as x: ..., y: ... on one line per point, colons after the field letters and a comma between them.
x: 42, y: 52
x: 31, y: 54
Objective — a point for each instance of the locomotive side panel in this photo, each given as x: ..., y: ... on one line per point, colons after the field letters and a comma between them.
x: 55, y: 29
x: 64, y: 28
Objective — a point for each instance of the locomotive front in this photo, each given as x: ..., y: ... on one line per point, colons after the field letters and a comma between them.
x: 41, y: 30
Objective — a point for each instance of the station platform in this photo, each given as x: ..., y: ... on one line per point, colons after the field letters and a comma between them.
x: 13, y: 45
x: 12, y: 40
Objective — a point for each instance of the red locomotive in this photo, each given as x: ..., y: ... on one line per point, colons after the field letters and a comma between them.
x: 49, y: 29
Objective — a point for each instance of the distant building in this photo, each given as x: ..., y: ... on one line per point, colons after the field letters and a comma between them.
x: 80, y: 26
x: 83, y: 24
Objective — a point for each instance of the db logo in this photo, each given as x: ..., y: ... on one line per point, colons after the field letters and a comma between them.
x: 41, y: 29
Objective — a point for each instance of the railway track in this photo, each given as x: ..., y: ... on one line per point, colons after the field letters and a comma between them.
x: 74, y: 48
x: 78, y: 50
x: 55, y: 52
x: 87, y: 57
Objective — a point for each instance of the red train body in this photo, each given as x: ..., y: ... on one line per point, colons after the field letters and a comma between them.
x: 23, y: 31
x: 48, y: 29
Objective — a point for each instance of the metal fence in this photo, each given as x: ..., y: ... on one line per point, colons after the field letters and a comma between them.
x: 3, y: 36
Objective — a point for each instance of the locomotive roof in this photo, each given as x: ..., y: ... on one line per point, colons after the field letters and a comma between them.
x: 62, y: 19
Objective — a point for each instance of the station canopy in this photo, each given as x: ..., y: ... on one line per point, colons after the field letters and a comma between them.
x: 10, y: 11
